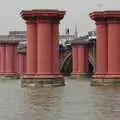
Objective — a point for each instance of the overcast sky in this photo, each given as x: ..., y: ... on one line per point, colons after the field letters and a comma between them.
x: 76, y: 13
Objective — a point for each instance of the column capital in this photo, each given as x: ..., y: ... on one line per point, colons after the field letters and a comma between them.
x: 79, y: 42
x: 9, y: 42
x: 43, y: 15
x: 105, y: 17
x: 98, y: 17
x: 50, y: 21
x: 31, y: 21
x: 112, y: 17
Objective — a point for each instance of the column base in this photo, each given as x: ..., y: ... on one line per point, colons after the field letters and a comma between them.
x: 5, y: 76
x: 80, y: 76
x: 105, y: 80
x: 42, y: 81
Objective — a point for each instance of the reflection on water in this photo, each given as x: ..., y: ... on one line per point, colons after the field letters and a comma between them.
x: 75, y: 101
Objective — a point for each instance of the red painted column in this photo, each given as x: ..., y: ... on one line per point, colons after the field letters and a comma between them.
x: 101, y: 49
x: 20, y: 65
x: 44, y: 48
x: 114, y: 48
x: 75, y: 59
x: 82, y: 59
x: 15, y: 57
x: 3, y: 59
x: 17, y: 63
x: 9, y: 58
x: 0, y: 59
x: 31, y: 48
x: 55, y: 48
x: 24, y: 62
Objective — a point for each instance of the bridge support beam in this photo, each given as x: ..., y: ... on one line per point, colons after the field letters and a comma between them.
x: 47, y: 71
x: 107, y: 53
x: 80, y: 60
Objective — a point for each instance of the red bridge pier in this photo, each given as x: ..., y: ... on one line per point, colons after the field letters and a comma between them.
x: 42, y: 48
x: 108, y: 48
x: 80, y: 59
x: 8, y: 58
x: 21, y: 62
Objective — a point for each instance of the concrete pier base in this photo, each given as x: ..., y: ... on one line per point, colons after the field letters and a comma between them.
x: 106, y: 80
x: 9, y: 76
x: 80, y: 76
x: 42, y: 81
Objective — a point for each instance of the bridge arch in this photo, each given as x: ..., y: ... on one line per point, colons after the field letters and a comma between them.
x: 66, y: 64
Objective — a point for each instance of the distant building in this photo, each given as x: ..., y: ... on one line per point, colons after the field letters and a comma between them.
x: 63, y: 39
x: 21, y: 36
x: 14, y: 35
x: 92, y: 34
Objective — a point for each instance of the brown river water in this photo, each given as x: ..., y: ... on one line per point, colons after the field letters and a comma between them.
x: 75, y: 101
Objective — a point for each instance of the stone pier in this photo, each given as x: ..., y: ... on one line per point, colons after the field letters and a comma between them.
x: 80, y: 59
x: 8, y: 59
x: 42, y: 48
x: 107, y: 48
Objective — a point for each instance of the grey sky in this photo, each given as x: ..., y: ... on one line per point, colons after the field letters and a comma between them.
x: 77, y: 13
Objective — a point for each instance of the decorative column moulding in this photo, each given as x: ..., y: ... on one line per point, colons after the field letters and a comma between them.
x: 21, y: 60
x: 112, y: 75
x: 78, y: 42
x: 112, y: 17
x: 47, y: 25
x: 105, y: 16
x: 98, y: 17
x: 43, y: 15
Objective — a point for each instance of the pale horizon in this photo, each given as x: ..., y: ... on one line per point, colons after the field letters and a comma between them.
x: 76, y: 13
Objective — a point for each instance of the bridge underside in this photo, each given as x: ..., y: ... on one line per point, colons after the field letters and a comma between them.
x: 66, y: 68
